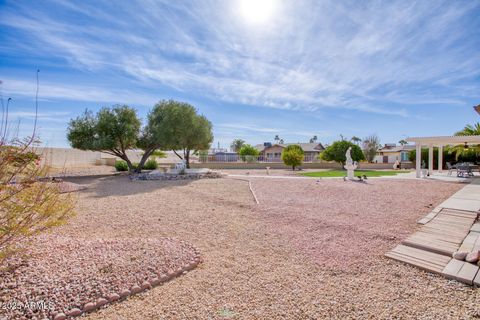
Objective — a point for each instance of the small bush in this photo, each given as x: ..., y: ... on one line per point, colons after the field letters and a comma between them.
x: 293, y: 156
x: 121, y: 165
x: 151, y: 164
x: 248, y: 153
x: 158, y: 154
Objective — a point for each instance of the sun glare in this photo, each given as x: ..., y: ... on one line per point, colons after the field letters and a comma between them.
x: 257, y: 11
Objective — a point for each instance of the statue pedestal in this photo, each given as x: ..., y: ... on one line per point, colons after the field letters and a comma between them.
x: 350, y: 171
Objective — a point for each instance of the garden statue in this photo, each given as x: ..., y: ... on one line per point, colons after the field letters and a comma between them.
x: 181, y: 166
x: 350, y: 165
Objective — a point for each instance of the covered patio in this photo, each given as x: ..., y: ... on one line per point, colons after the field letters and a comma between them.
x: 440, y: 142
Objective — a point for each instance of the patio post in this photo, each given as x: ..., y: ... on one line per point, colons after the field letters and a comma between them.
x: 440, y: 159
x: 418, y: 159
x: 430, y: 159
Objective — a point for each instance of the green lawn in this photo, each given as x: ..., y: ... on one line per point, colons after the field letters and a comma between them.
x: 343, y: 173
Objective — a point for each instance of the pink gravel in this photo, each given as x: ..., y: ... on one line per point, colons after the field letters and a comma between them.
x: 282, y: 259
x: 346, y: 225
x: 68, y: 272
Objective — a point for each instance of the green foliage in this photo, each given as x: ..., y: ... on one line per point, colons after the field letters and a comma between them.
x: 449, y: 155
x: 371, y: 144
x: 112, y: 130
x: 473, y: 151
x: 355, y: 139
x: 248, y: 153
x: 151, y: 164
x: 158, y: 154
x: 336, y: 152
x: 341, y: 173
x: 117, y: 127
x: 470, y: 130
x: 293, y: 156
x: 28, y: 205
x: 121, y: 165
x: 202, y: 155
x: 237, y: 144
x: 178, y: 127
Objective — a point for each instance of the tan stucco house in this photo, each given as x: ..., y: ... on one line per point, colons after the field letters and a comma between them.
x: 390, y: 153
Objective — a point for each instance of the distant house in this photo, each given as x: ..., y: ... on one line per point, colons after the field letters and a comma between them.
x: 273, y: 152
x: 391, y: 153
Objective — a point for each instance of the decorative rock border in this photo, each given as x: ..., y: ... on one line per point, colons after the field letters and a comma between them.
x: 134, y: 289
x: 250, y: 187
x: 174, y: 176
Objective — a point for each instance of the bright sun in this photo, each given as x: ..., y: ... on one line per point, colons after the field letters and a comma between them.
x: 257, y: 11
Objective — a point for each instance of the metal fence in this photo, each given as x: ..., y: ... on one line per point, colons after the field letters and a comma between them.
x: 249, y: 159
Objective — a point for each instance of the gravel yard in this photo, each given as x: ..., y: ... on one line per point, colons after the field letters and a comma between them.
x: 309, y: 250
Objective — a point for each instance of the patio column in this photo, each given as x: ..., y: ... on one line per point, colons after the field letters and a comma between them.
x: 440, y: 159
x: 418, y: 160
x: 430, y: 159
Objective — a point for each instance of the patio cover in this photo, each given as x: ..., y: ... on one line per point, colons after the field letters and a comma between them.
x: 439, y: 142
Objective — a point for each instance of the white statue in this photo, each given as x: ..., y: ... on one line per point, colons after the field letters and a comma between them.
x: 349, y: 156
x: 181, y: 166
x: 350, y: 165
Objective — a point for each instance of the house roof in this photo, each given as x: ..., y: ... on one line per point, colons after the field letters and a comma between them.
x: 307, y: 147
x: 397, y: 148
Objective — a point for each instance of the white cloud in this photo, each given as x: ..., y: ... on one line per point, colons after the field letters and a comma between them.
x: 48, y: 90
x: 313, y: 55
x: 249, y: 127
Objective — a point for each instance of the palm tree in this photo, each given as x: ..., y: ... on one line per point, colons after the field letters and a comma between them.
x: 237, y: 144
x: 403, y: 142
x: 277, y: 138
x: 355, y: 140
x: 281, y: 141
x: 468, y: 130
x: 313, y: 139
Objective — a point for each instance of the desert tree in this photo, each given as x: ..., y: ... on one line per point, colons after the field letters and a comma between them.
x: 336, y: 152
x: 293, y: 156
x: 403, y: 142
x: 113, y: 130
x: 371, y: 144
x: 179, y: 128
x: 29, y: 203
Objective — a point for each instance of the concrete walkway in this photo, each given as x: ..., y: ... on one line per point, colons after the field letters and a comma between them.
x: 451, y: 227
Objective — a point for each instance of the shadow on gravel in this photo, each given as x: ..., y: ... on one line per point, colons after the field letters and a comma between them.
x: 102, y: 186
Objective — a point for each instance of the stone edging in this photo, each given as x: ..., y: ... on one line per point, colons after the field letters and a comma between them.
x: 134, y: 289
x: 168, y: 176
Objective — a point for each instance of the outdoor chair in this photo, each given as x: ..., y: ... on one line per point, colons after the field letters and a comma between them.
x: 450, y: 168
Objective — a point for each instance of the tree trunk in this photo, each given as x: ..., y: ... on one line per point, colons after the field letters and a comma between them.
x: 293, y: 168
x: 144, y: 159
x: 129, y: 163
x: 177, y: 154
x: 187, y: 158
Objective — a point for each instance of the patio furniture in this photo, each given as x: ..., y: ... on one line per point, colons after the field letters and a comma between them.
x: 464, y: 170
x: 450, y: 168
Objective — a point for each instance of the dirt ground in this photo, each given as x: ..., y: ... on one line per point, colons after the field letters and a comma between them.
x: 309, y: 250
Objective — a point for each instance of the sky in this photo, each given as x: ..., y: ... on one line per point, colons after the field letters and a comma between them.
x: 255, y: 69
